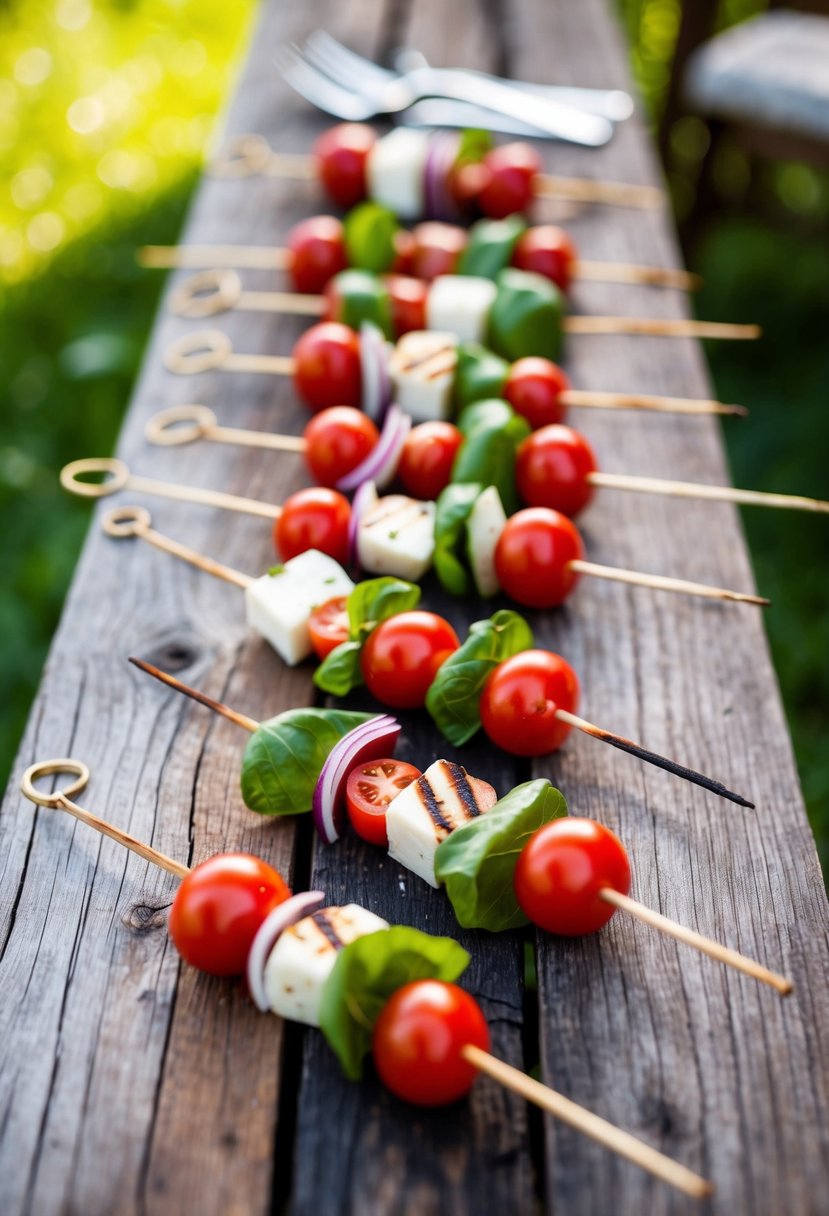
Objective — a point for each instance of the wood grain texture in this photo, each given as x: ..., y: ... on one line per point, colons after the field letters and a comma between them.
x: 130, y: 1084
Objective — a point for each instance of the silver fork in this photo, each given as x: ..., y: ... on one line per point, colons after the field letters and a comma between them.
x: 393, y: 96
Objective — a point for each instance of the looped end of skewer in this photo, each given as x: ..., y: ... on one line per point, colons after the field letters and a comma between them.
x: 180, y: 424
x: 207, y: 293
x: 244, y: 156
x: 115, y: 473
x: 124, y: 522
x: 47, y: 768
x: 200, y: 352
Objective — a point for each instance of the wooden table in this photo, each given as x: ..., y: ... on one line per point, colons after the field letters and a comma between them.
x: 132, y: 1084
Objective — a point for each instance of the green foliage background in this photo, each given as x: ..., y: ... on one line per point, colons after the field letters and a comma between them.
x: 106, y: 109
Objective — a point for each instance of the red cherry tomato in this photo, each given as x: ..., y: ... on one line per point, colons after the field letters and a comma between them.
x: 336, y: 441
x: 328, y: 625
x: 315, y: 518
x: 218, y: 909
x: 513, y: 169
x: 327, y: 366
x: 533, y: 554
x: 317, y: 252
x: 437, y: 248
x: 341, y: 154
x: 533, y: 388
x: 520, y: 698
x: 426, y: 461
x: 466, y: 185
x: 561, y: 872
x: 547, y: 250
x: 418, y: 1040
x: 408, y: 303
x: 404, y: 251
x: 552, y: 467
x: 401, y: 656
x: 368, y: 792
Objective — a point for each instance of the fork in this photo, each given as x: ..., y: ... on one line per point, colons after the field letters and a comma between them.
x: 376, y: 97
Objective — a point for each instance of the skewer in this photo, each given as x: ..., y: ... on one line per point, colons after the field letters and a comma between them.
x: 591, y: 1125
x: 181, y: 424
x: 690, y: 489
x: 124, y: 522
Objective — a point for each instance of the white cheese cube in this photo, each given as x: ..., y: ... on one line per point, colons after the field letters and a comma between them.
x: 397, y: 536
x: 395, y: 170
x: 460, y: 304
x: 424, y: 814
x: 484, y: 527
x: 422, y: 367
x: 278, y: 605
x: 304, y: 955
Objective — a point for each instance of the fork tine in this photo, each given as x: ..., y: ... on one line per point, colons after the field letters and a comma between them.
x: 318, y: 88
x: 343, y: 64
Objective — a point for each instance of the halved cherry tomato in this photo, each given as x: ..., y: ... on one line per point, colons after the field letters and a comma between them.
x: 562, y: 870
x: 336, y: 441
x: 401, y: 657
x: 328, y: 625
x: 520, y: 699
x: 218, y: 909
x: 419, y: 1038
x: 341, y: 154
x: 317, y: 252
x: 327, y: 366
x: 368, y: 792
x: 548, y: 250
x: 533, y: 388
x: 408, y: 303
x: 512, y: 172
x: 437, y: 248
x: 426, y: 461
x: 533, y: 555
x: 552, y: 467
x: 315, y: 518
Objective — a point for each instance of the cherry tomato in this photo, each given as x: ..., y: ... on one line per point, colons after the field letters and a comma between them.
x: 418, y: 1040
x: 533, y: 388
x: 466, y: 185
x: 437, y: 248
x: 368, y: 792
x: 336, y: 441
x: 547, y: 250
x: 317, y: 252
x: 408, y: 303
x: 315, y: 518
x: 401, y: 656
x: 404, y: 251
x: 327, y: 366
x: 533, y: 554
x: 328, y: 625
x: 552, y: 467
x: 512, y: 169
x: 341, y: 154
x: 218, y: 909
x: 561, y: 870
x: 426, y: 461
x: 520, y: 699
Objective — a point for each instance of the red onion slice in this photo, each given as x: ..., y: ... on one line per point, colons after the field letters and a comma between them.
x: 440, y: 161
x: 365, y: 497
x: 372, y: 740
x: 374, y: 366
x: 282, y: 917
x: 381, y: 463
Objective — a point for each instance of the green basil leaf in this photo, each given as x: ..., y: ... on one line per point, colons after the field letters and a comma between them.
x: 452, y: 511
x: 490, y: 246
x: 377, y: 599
x: 367, y: 972
x: 487, y: 455
x: 454, y: 698
x: 526, y: 316
x: 360, y: 296
x: 474, y: 145
x: 285, y: 755
x: 478, y: 374
x: 477, y: 861
x: 489, y: 411
x: 368, y: 233
x: 340, y: 670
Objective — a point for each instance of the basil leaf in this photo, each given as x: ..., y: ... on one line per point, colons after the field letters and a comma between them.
x: 490, y: 246
x: 340, y: 670
x: 474, y: 145
x: 487, y: 455
x: 376, y: 600
x: 285, y: 755
x: 367, y: 972
x: 478, y: 374
x: 360, y: 297
x: 477, y: 861
x: 368, y: 234
x: 526, y: 316
x: 490, y: 411
x: 454, y: 697
x: 453, y: 507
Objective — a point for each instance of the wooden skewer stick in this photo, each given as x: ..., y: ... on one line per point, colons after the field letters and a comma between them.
x: 705, y: 945
x: 593, y: 1126
x: 272, y: 257
x: 182, y: 424
x: 642, y: 753
x: 126, y: 522
x: 660, y: 582
x: 659, y: 327
x: 218, y: 707
x: 581, y: 398
x: 586, y: 190
x: 689, y: 489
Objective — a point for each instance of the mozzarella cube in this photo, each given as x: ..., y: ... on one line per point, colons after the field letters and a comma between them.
x: 396, y: 535
x: 460, y: 304
x: 425, y: 813
x: 396, y: 169
x: 278, y: 605
x: 422, y: 367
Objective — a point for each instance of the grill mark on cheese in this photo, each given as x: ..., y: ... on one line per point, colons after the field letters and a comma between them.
x: 395, y: 513
x: 432, y: 806
x: 447, y: 818
x: 422, y: 360
x: 324, y: 921
x: 463, y: 789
